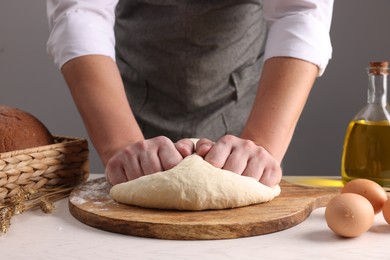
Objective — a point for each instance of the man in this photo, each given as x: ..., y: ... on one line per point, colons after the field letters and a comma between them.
x: 148, y: 74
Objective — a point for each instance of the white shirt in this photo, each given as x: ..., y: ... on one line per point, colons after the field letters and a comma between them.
x: 297, y: 28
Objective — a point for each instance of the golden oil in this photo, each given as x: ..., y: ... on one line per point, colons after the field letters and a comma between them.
x: 366, y: 152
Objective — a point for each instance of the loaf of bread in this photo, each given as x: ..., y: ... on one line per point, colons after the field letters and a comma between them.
x: 21, y: 130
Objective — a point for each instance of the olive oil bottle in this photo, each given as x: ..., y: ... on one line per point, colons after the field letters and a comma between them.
x: 366, y: 150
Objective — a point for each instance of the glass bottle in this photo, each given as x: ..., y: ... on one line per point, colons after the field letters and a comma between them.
x: 366, y: 150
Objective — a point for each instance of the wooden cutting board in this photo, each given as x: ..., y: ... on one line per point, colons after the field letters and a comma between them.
x: 91, y: 204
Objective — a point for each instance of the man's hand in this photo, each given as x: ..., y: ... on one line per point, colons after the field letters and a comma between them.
x: 146, y: 157
x: 242, y: 157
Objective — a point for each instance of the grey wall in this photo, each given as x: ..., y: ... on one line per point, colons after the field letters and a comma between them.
x: 359, y: 34
x: 29, y: 80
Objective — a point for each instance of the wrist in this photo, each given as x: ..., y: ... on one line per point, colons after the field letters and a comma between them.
x: 109, y: 148
x: 274, y: 149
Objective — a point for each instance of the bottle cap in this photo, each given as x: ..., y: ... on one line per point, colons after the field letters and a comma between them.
x: 379, y: 67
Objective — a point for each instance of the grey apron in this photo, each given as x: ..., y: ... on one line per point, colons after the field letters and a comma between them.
x: 190, y: 68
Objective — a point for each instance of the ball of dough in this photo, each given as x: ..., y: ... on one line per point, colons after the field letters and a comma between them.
x: 193, y: 184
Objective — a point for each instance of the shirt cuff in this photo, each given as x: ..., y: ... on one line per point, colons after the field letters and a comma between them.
x: 300, y: 36
x: 76, y: 34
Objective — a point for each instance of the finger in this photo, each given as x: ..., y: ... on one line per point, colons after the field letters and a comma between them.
x: 218, y: 153
x: 123, y: 166
x: 146, y: 153
x: 254, y: 168
x: 115, y: 177
x: 170, y: 156
x: 115, y: 173
x: 185, y: 147
x: 150, y: 162
x: 271, y: 177
x: 236, y: 162
x: 132, y: 166
x: 203, y: 146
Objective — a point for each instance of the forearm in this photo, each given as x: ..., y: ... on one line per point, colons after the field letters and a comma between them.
x: 98, y: 92
x: 283, y: 90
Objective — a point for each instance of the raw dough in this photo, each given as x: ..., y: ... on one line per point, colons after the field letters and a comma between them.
x: 193, y: 184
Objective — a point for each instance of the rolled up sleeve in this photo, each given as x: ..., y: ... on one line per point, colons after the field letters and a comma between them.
x: 299, y: 29
x: 80, y: 28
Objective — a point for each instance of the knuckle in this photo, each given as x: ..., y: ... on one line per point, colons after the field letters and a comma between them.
x: 112, y: 162
x: 163, y: 140
x: 248, y: 144
x: 141, y: 145
x: 129, y: 151
x: 260, y: 152
x: 203, y: 141
x: 227, y: 139
x: 184, y: 143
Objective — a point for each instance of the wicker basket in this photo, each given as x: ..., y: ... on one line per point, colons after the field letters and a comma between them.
x: 62, y: 164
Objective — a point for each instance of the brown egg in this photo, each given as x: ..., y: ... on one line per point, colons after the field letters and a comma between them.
x: 386, y: 211
x: 368, y: 189
x: 349, y: 214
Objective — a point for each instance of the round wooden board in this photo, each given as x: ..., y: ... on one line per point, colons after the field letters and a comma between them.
x: 91, y: 204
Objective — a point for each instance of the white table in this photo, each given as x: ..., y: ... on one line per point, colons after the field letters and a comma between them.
x: 35, y: 235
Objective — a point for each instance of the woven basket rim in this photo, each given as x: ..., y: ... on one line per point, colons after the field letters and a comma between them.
x: 59, y: 141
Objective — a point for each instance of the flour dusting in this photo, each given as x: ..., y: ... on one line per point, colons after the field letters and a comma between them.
x: 95, y: 192
x: 78, y: 200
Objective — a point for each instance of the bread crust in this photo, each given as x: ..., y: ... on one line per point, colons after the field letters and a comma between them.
x: 21, y: 130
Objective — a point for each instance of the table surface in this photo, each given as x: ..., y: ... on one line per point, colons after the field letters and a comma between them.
x: 35, y: 235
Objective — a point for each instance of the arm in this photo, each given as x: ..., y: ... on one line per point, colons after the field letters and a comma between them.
x: 98, y: 92
x: 81, y: 43
x: 97, y: 89
x: 283, y: 90
x: 297, y: 51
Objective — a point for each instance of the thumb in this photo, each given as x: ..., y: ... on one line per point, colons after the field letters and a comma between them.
x: 185, y: 147
x: 203, y: 146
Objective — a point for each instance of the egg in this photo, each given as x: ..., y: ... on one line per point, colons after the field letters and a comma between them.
x: 386, y: 211
x: 349, y: 214
x: 368, y: 189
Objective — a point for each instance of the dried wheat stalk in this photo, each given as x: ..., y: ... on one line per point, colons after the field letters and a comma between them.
x: 27, y: 199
